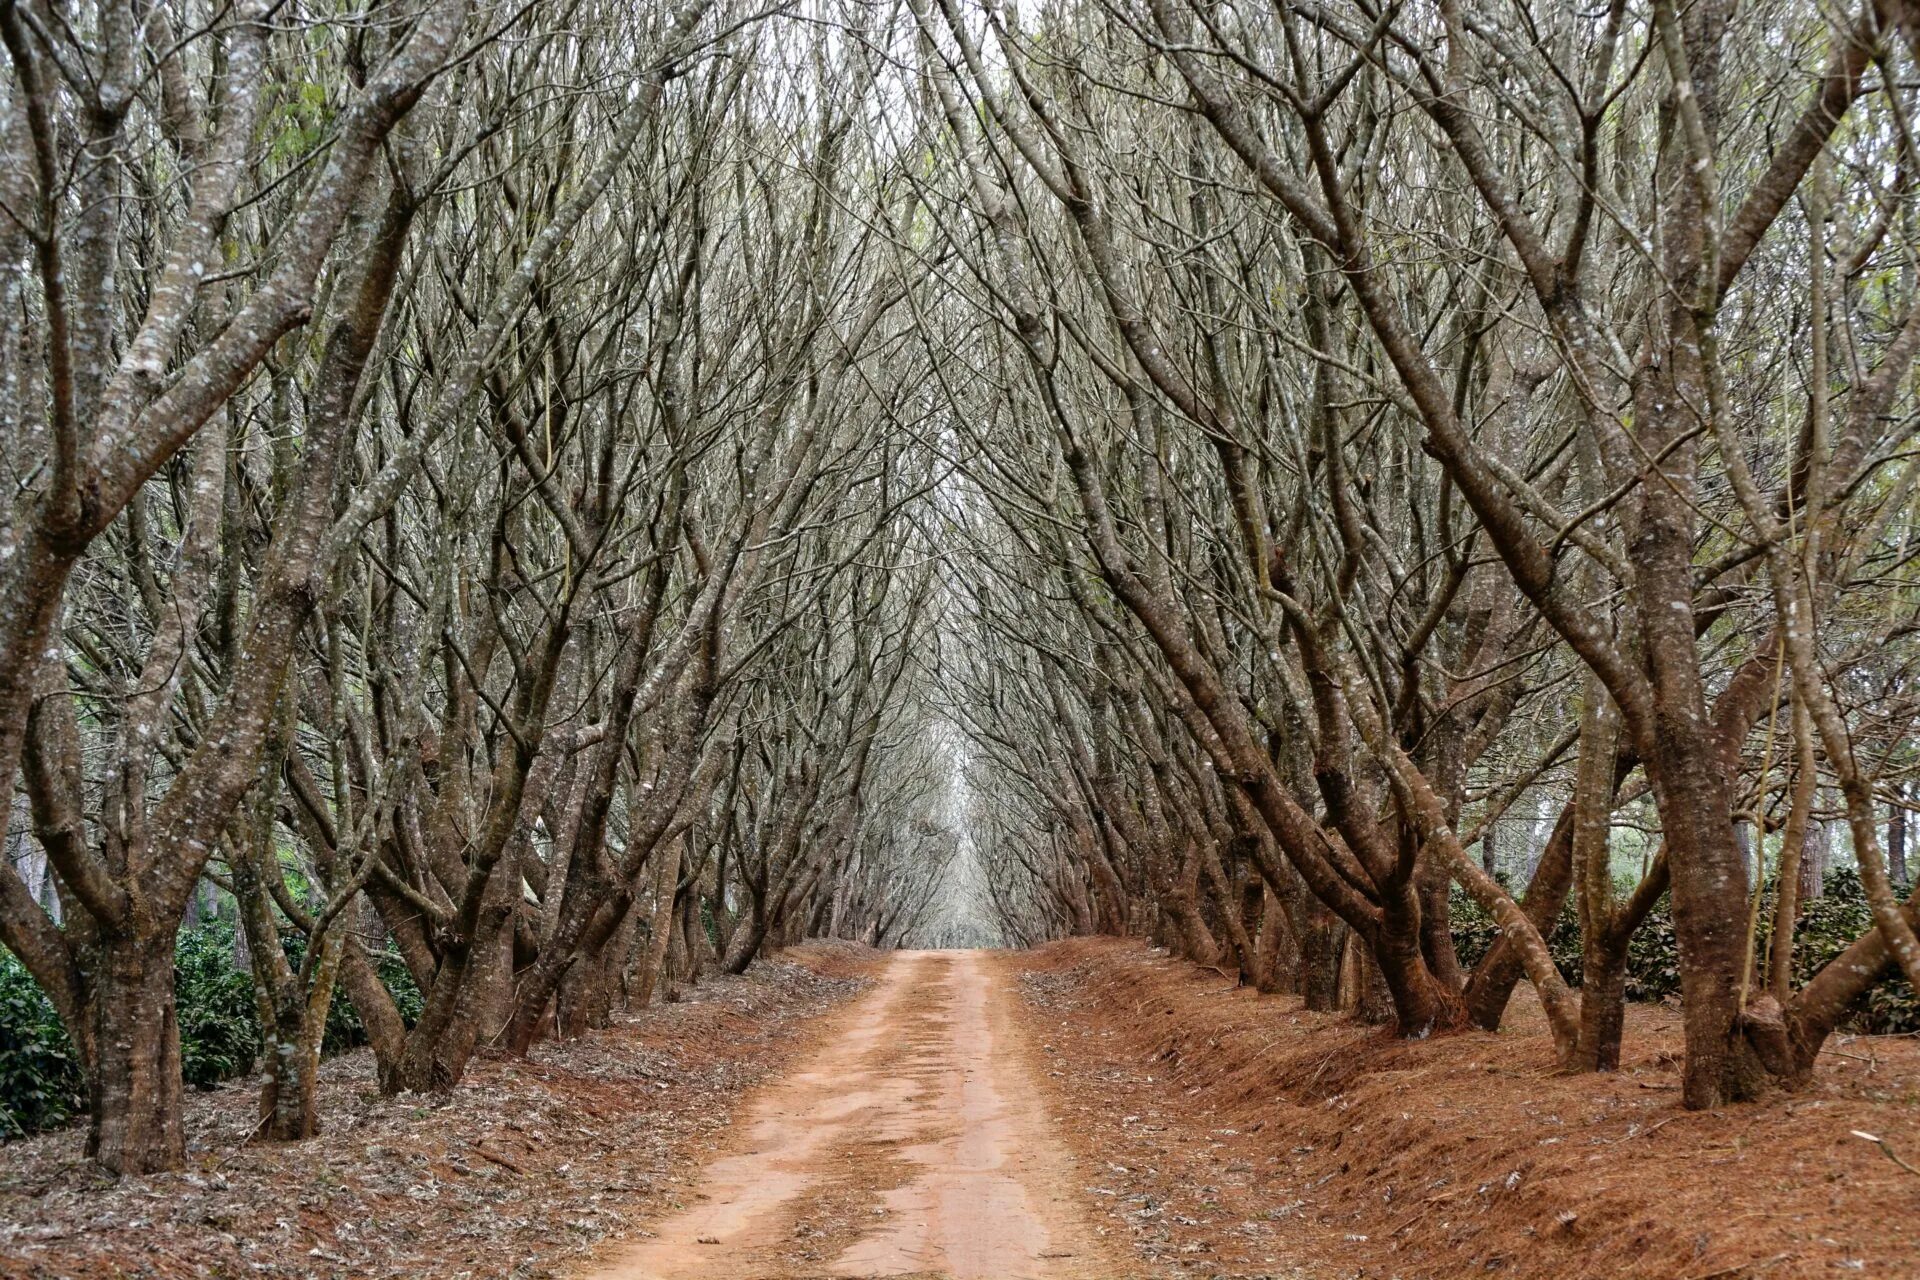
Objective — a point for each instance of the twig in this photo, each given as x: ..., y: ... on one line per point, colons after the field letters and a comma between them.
x: 1886, y: 1147
x: 500, y: 1160
x: 244, y: 1142
x: 1742, y: 1268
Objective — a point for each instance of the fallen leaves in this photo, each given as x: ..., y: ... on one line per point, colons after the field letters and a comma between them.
x: 526, y: 1167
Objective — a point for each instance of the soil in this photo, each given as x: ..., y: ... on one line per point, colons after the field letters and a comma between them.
x: 1089, y: 1111
x: 910, y: 1144
x: 1236, y: 1135
x: 521, y: 1171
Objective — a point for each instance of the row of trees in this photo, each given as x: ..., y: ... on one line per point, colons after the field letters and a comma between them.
x: 1380, y: 416
x: 453, y: 508
x: 559, y: 490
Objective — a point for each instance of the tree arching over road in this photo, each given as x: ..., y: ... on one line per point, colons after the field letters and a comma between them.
x: 573, y: 494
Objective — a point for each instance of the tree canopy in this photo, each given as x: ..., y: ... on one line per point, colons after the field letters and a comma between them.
x: 579, y: 491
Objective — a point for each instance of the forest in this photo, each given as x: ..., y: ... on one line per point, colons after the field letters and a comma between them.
x: 519, y: 513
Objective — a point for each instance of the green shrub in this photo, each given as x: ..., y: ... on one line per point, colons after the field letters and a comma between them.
x: 219, y: 1025
x: 398, y: 980
x: 41, y: 1083
x: 1827, y: 926
x: 1474, y: 933
x: 1653, y: 957
x: 344, y: 1028
x: 1473, y: 930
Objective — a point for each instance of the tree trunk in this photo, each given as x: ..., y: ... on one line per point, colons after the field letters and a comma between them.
x: 1369, y: 989
x: 1603, y: 1005
x: 135, y: 1085
x: 458, y: 1003
x: 242, y: 949
x: 1196, y: 941
x: 586, y: 996
x: 1249, y: 904
x: 1111, y: 894
x: 496, y: 1008
x: 1277, y: 957
x: 694, y: 934
x: 386, y: 1033
x: 1709, y: 890
x: 1551, y: 877
x: 1076, y: 896
x: 289, y: 1100
x: 660, y: 925
x: 748, y: 937
x: 1897, y: 837
x: 1322, y: 943
x: 1396, y: 962
x: 291, y: 1003
x: 1813, y: 862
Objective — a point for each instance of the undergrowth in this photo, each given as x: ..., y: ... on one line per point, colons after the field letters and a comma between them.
x: 41, y: 1081
x: 1827, y: 926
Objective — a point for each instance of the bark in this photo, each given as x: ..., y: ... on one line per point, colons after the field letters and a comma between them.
x: 135, y: 1093
x: 1793, y: 840
x: 1277, y: 960
x: 1603, y: 1005
x: 696, y: 947
x: 1182, y: 902
x: 1897, y: 836
x: 660, y: 924
x: 1323, y: 941
x: 1813, y: 860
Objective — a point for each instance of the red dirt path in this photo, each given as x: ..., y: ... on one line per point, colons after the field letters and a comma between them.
x: 999, y: 1116
x: 910, y: 1143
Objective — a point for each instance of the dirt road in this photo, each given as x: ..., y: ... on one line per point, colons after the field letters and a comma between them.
x: 910, y: 1143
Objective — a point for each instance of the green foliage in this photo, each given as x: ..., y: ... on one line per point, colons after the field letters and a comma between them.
x: 1827, y: 926
x: 398, y: 980
x: 41, y: 1083
x: 1474, y: 931
x: 298, y: 123
x: 219, y: 1029
x: 344, y: 1028
x: 1653, y: 959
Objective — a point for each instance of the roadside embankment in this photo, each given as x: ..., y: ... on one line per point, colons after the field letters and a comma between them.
x: 1238, y: 1135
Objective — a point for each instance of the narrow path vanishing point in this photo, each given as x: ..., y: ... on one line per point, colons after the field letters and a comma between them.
x: 910, y: 1143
